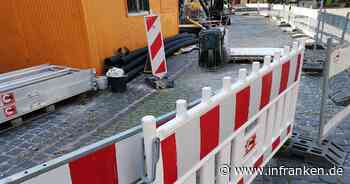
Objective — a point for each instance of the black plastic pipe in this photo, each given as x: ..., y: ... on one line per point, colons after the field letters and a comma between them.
x: 175, y: 48
x: 139, y: 61
x: 134, y: 73
x: 120, y: 61
x: 134, y: 54
x: 168, y: 52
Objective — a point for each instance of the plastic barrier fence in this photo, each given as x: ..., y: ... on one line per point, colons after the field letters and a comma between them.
x: 305, y: 19
x: 263, y: 8
x: 116, y: 160
x: 337, y: 61
x: 242, y: 125
x: 316, y: 24
x: 120, y: 158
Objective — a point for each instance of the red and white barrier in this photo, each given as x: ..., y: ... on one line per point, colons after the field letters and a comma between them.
x: 243, y: 125
x: 119, y: 163
x: 156, y: 45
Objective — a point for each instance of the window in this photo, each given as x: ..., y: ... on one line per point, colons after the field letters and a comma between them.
x: 137, y: 6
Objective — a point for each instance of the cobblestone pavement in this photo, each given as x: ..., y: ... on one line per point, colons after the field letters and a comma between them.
x: 80, y: 122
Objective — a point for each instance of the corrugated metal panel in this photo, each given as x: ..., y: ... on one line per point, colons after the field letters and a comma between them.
x: 76, y: 33
x: 13, y: 52
x: 54, y: 31
x: 46, y: 31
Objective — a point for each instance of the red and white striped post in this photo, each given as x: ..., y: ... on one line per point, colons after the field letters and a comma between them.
x: 155, y: 45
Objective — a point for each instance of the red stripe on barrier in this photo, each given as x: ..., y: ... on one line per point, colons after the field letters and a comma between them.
x: 95, y: 168
x: 276, y: 143
x: 258, y: 162
x: 161, y: 68
x: 289, y: 129
x: 168, y: 146
x: 156, y: 45
x: 150, y: 21
x: 266, y: 90
x: 298, y: 68
x: 241, y: 181
x: 209, y: 127
x: 284, y: 76
x: 242, y: 107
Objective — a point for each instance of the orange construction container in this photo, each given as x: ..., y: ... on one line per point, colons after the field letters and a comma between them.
x: 75, y: 33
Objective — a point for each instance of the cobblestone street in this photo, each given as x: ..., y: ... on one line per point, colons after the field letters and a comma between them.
x: 79, y: 122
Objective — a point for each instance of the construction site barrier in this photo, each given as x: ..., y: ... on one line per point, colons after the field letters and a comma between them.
x: 305, y: 19
x: 252, y: 117
x: 243, y: 125
x: 116, y: 160
x: 337, y: 61
x: 315, y: 23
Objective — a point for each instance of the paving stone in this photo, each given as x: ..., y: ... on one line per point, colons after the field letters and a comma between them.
x: 4, y: 158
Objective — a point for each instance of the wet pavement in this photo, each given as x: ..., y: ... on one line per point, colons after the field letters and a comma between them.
x: 82, y: 121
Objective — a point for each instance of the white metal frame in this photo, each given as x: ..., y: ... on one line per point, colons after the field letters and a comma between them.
x: 37, y: 87
x: 277, y: 116
x: 326, y: 127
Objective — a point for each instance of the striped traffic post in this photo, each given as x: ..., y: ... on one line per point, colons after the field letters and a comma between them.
x: 155, y: 45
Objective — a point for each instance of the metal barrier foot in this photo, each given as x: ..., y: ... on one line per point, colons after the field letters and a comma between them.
x: 326, y: 155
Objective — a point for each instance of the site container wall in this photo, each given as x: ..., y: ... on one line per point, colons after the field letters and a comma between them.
x: 75, y: 33
x: 42, y: 31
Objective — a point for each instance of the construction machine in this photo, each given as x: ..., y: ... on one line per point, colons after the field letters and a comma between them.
x: 213, y: 10
x: 207, y: 18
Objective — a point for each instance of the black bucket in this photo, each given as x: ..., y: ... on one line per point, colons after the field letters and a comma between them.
x: 117, y: 84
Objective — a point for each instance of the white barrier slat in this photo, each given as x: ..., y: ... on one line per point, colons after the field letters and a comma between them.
x: 271, y: 118
x: 255, y: 91
x: 295, y: 92
x: 207, y: 172
x: 149, y: 130
x: 276, y: 76
x: 224, y: 158
x: 237, y: 152
x: 192, y: 179
x: 60, y: 175
x: 129, y: 156
x: 286, y: 109
x: 227, y: 115
x: 279, y: 116
x: 262, y: 125
x: 237, y: 126
x: 187, y: 148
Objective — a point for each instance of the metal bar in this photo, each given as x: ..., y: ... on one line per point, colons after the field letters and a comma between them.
x: 323, y: 23
x: 345, y: 28
x: 317, y: 30
x: 17, y: 73
x: 325, y: 89
x: 335, y: 121
x: 25, y: 81
x: 55, y: 163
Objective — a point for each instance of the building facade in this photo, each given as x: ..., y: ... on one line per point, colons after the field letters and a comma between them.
x: 76, y: 33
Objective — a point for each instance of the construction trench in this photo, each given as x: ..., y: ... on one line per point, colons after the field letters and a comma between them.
x: 86, y: 120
